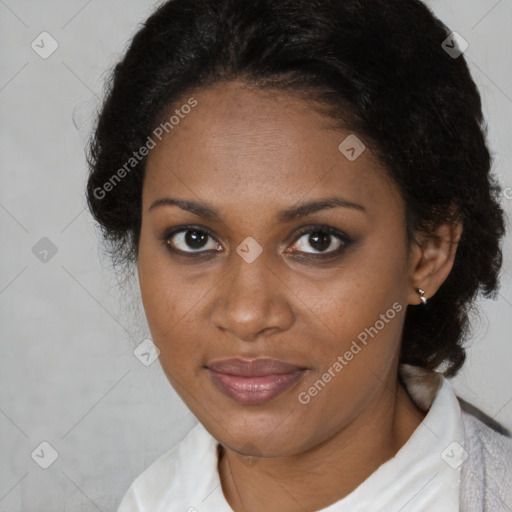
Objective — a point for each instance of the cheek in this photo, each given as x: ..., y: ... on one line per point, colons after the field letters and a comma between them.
x: 160, y: 291
x: 354, y: 359
x: 171, y: 301
x: 365, y: 287
x: 364, y: 316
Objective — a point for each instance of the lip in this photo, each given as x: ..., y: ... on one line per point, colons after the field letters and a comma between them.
x: 253, y: 381
x: 253, y: 367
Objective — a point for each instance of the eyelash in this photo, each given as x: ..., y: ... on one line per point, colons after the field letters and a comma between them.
x: 345, y: 240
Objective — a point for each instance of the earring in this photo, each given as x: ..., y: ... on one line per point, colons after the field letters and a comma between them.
x: 422, y: 295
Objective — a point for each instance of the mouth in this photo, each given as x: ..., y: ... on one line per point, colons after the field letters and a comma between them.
x: 256, y: 381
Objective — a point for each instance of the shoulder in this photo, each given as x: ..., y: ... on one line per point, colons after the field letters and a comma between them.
x: 486, y: 475
x: 167, y: 479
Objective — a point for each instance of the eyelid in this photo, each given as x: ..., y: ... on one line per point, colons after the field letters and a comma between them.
x: 320, y: 228
x: 169, y: 233
x: 313, y: 228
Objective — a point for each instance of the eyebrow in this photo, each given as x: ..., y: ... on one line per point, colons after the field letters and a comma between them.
x: 207, y: 211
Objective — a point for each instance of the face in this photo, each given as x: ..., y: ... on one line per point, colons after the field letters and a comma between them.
x: 324, y: 291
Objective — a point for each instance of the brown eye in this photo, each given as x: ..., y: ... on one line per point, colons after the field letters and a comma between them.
x: 323, y: 240
x: 191, y: 240
x: 318, y: 240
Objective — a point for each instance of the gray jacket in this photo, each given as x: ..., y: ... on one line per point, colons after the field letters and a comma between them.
x: 486, y: 475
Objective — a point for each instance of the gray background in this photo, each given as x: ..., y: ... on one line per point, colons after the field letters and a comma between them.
x: 68, y: 373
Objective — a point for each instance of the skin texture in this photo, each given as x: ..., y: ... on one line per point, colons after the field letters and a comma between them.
x: 250, y: 154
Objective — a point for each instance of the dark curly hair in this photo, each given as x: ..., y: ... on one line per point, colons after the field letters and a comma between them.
x: 379, y: 68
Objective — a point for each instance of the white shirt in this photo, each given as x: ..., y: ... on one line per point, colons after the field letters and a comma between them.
x: 423, y: 476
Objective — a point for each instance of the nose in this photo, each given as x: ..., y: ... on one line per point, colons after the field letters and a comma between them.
x: 252, y: 301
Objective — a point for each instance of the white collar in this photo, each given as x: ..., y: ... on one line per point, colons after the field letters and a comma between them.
x: 423, y: 476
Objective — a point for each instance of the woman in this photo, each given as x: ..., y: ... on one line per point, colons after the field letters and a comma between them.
x: 305, y: 190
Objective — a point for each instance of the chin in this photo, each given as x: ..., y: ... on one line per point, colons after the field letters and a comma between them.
x: 265, y: 436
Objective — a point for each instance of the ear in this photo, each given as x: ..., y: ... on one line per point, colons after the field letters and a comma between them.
x: 431, y: 260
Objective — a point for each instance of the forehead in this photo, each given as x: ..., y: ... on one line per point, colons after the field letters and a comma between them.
x: 243, y: 145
